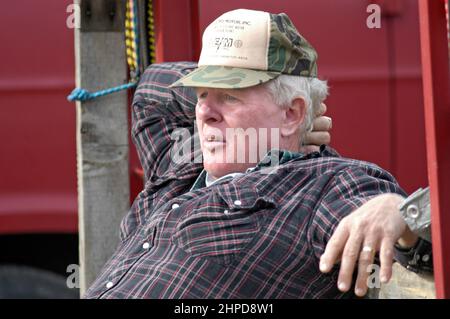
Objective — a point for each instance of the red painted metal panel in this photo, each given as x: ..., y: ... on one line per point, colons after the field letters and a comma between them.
x: 409, y: 162
x: 38, y: 213
x: 37, y: 132
x: 176, y: 30
x: 38, y: 182
x: 435, y: 65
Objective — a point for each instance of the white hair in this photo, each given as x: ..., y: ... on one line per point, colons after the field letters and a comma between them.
x: 285, y: 88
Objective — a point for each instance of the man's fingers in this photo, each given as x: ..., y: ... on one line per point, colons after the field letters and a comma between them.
x: 321, y: 111
x: 334, y: 248
x: 349, y: 258
x: 366, y: 257
x: 322, y: 123
x: 386, y: 259
x: 317, y: 138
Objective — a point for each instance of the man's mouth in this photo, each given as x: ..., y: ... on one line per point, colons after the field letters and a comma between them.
x: 213, y: 138
x: 211, y: 141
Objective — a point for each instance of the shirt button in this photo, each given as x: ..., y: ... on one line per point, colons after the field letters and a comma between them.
x: 175, y: 206
x: 412, y: 211
x: 146, y: 246
x: 109, y: 284
x: 237, y: 203
x: 226, y: 212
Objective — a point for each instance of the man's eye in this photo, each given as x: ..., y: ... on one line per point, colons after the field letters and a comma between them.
x: 202, y: 95
x: 230, y: 98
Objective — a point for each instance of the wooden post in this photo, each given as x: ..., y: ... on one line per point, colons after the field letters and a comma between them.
x: 102, y: 133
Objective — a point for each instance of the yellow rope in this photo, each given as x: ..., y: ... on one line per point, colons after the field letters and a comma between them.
x: 130, y: 37
x: 151, y: 33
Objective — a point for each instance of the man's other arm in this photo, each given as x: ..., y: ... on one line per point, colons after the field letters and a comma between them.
x: 381, y: 223
x: 350, y: 189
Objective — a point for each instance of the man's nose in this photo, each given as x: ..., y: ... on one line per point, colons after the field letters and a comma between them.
x: 208, y: 111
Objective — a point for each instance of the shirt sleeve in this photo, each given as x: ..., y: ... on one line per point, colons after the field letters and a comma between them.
x: 162, y: 120
x: 346, y: 191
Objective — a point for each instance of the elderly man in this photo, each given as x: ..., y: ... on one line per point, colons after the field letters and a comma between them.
x: 227, y: 225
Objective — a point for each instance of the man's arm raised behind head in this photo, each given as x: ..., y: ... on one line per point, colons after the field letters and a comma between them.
x: 157, y: 113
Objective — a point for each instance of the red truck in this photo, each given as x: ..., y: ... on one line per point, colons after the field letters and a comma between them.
x: 376, y: 103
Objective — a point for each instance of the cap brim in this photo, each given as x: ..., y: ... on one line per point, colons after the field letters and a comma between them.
x: 224, y: 77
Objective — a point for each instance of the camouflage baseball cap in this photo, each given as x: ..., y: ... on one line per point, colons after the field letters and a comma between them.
x: 244, y: 48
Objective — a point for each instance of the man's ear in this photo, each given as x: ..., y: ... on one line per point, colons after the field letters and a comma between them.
x: 294, y: 116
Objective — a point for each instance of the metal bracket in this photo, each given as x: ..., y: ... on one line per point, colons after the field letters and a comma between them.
x: 102, y: 15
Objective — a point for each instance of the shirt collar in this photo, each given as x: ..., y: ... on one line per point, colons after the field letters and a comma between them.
x: 280, y: 156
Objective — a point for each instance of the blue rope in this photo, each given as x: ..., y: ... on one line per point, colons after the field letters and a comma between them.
x: 82, y: 95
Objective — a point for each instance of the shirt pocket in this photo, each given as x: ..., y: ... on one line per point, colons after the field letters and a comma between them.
x: 221, y: 226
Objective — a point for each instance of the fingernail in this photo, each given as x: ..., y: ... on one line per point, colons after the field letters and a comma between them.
x: 359, y: 292
x: 342, y: 286
x: 323, y: 266
x: 384, y: 279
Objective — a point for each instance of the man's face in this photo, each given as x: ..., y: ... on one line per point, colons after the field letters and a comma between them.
x: 236, y: 127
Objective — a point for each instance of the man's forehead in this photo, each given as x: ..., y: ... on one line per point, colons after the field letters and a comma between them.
x: 202, y: 89
x: 234, y: 90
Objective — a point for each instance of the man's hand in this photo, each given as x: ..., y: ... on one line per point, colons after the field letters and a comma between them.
x: 375, y: 226
x: 320, y: 133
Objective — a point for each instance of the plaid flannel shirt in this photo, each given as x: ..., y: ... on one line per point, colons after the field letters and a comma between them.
x: 257, y: 235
